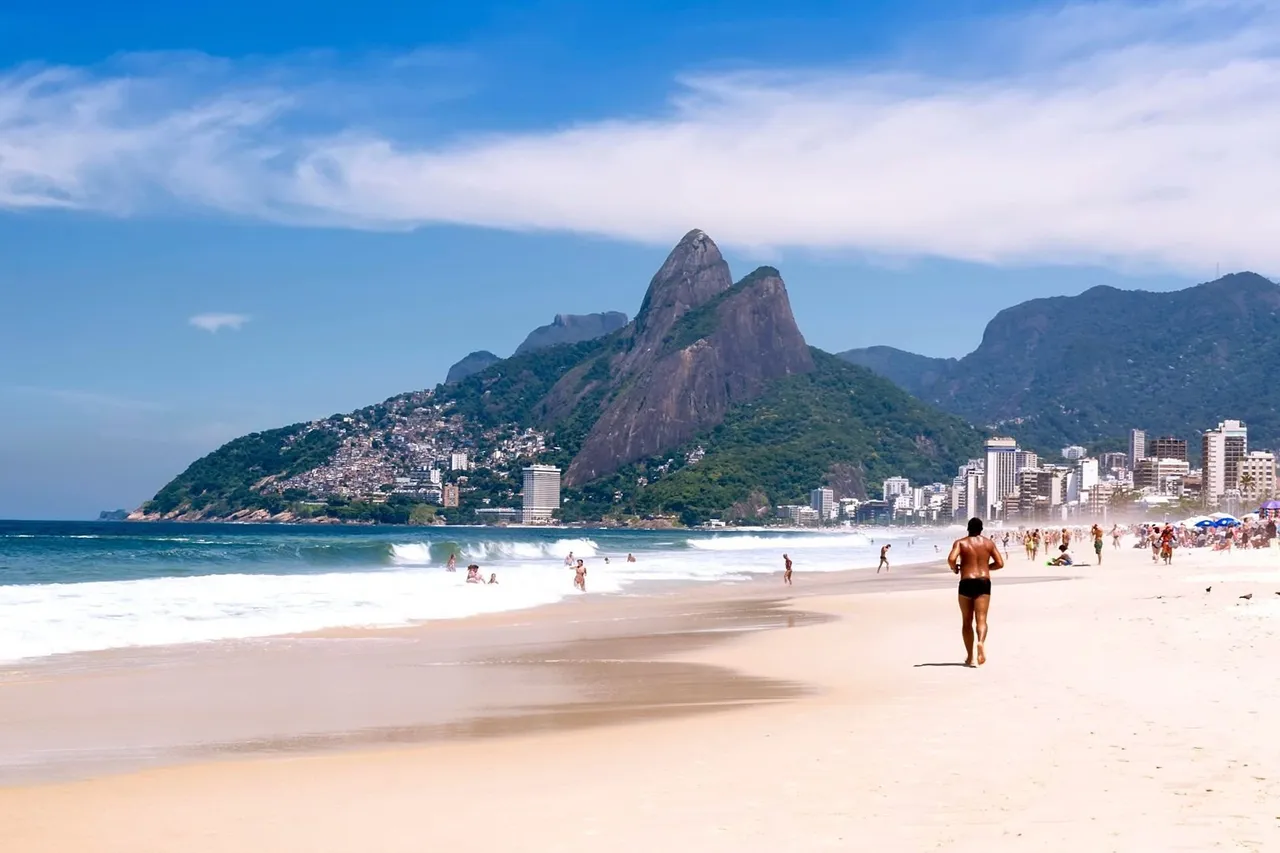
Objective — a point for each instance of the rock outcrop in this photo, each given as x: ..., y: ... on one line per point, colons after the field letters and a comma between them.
x: 572, y: 329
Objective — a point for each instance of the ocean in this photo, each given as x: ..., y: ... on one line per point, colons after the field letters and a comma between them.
x: 87, y: 586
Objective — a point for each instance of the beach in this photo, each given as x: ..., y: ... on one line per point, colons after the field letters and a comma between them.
x: 1123, y: 707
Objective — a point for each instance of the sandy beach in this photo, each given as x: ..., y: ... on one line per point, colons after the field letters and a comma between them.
x: 1123, y: 708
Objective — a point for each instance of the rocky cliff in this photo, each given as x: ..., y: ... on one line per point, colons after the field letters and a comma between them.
x: 699, y: 347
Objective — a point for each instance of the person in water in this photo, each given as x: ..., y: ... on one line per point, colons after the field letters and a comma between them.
x: 974, y: 558
x: 786, y: 571
x: 884, y: 558
x: 580, y: 576
x: 453, y: 563
x: 493, y: 577
x: 473, y: 574
x: 631, y: 558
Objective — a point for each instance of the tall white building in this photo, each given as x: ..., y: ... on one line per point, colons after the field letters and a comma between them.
x: 823, y: 502
x: 458, y: 462
x: 1223, y: 450
x: 1088, y: 473
x: 1001, y: 469
x: 895, y: 486
x: 1137, y: 447
x: 1074, y: 453
x: 541, y: 493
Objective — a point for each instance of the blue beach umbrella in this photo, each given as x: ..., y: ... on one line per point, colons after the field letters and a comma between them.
x: 1205, y: 523
x: 1225, y: 521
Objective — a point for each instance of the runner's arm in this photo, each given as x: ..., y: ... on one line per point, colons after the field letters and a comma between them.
x: 997, y: 559
x: 953, y: 558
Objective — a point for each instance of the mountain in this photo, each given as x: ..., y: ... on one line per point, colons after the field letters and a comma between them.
x: 1086, y: 369
x: 572, y: 329
x: 709, y: 403
x: 564, y: 329
x: 471, y: 363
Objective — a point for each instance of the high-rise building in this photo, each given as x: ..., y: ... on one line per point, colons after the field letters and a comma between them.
x: 1026, y: 459
x: 1167, y: 447
x: 1115, y: 460
x: 895, y: 486
x: 541, y: 493
x: 823, y: 502
x: 449, y: 495
x: 1088, y: 473
x: 1074, y: 452
x: 1258, y: 475
x: 1163, y: 476
x: 458, y: 462
x: 1223, y: 448
x: 1000, y: 473
x: 1137, y: 447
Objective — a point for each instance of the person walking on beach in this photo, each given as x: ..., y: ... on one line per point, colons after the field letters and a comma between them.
x: 974, y: 558
x: 1115, y: 537
x: 1096, y: 531
x: 884, y: 558
x: 580, y: 576
x: 786, y: 572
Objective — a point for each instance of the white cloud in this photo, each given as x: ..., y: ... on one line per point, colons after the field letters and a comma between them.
x: 216, y: 322
x: 90, y: 400
x: 1120, y: 133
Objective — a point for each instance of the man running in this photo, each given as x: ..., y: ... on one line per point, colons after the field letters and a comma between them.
x: 786, y: 572
x: 884, y: 558
x: 974, y: 558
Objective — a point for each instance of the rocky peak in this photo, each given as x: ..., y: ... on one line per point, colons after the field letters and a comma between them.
x: 571, y: 329
x: 719, y: 352
x: 694, y: 273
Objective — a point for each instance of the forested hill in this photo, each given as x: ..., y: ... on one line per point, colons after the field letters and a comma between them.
x: 1087, y: 368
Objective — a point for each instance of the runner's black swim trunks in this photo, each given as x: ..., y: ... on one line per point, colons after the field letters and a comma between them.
x: 974, y: 587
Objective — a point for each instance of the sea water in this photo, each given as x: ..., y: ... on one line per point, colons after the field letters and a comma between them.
x: 86, y: 586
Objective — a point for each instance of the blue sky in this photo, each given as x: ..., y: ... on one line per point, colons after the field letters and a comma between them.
x: 363, y: 193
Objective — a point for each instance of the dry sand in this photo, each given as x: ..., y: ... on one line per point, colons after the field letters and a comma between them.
x: 1125, y: 710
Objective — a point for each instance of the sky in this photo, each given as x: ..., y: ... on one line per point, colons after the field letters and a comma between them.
x: 235, y: 216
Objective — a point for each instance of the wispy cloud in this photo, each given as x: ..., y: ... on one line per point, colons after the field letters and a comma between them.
x: 1120, y: 132
x: 216, y: 322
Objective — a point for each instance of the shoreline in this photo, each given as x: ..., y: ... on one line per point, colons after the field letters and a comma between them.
x: 176, y: 700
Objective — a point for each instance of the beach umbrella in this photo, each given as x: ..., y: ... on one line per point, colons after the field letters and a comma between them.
x: 1270, y: 505
x: 1204, y: 523
x: 1225, y: 521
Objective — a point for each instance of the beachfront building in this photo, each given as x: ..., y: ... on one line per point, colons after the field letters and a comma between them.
x: 895, y: 486
x: 1074, y: 453
x: 1025, y: 459
x: 458, y: 462
x: 1161, y: 476
x: 541, y: 496
x: 1137, y: 447
x: 1223, y: 449
x: 1168, y: 447
x: 1000, y: 474
x: 1040, y: 492
x: 1258, y: 475
x: 798, y: 514
x: 823, y: 502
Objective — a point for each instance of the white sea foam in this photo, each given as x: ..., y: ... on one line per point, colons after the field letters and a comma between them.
x: 411, y: 554
x: 44, y: 619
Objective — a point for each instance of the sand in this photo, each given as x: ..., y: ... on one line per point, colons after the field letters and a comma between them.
x: 1124, y: 709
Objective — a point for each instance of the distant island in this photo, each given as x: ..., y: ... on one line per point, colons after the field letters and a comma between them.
x: 709, y: 404
x: 113, y: 515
